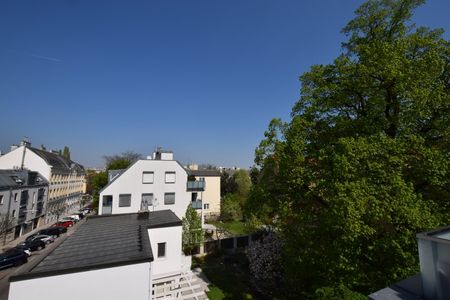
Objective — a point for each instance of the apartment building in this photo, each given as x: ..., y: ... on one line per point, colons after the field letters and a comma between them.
x: 156, y: 183
x: 66, y: 178
x: 23, y: 202
x: 209, y: 198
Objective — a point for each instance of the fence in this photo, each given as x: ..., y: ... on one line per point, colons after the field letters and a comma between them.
x: 230, y: 244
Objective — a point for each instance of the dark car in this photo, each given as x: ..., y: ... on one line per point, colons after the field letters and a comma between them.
x: 33, y: 245
x: 13, y: 257
x: 53, y: 231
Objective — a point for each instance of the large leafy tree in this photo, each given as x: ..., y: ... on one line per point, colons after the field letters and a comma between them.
x: 363, y: 164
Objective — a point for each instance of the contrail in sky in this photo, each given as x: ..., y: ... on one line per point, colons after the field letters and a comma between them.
x: 46, y: 58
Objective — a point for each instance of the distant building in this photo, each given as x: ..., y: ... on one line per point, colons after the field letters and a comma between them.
x: 23, y: 202
x: 114, y: 257
x: 156, y: 183
x: 66, y: 178
x: 210, y: 197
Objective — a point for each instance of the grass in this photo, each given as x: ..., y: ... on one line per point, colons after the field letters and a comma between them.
x: 228, y: 280
x: 233, y: 227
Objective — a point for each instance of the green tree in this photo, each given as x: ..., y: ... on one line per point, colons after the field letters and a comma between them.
x: 363, y: 164
x: 66, y: 152
x: 121, y: 161
x: 227, y: 184
x: 192, y: 230
x: 243, y: 183
x: 230, y: 208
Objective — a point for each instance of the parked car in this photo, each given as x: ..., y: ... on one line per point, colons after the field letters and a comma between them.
x: 13, y: 257
x: 71, y: 218
x: 54, y: 231
x: 43, y: 237
x: 64, y: 223
x: 33, y: 245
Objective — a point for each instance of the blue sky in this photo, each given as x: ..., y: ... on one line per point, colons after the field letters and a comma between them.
x: 202, y: 78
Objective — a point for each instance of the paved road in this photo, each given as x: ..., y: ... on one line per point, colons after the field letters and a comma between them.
x: 35, y: 257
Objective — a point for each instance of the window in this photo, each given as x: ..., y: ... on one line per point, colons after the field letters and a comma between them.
x: 169, y: 198
x: 124, y: 200
x: 161, y: 249
x: 148, y: 177
x: 147, y: 200
x: 15, y: 197
x: 14, y: 213
x: 206, y: 206
x: 170, y: 177
x: 1, y: 199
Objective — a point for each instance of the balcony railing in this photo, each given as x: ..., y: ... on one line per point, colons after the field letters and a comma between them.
x: 195, y: 186
x: 197, y: 204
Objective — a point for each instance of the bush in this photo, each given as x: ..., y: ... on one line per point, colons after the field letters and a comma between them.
x: 230, y: 208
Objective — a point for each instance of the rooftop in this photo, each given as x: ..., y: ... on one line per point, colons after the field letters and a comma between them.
x: 18, y: 178
x: 57, y: 161
x: 103, y: 242
x: 204, y: 173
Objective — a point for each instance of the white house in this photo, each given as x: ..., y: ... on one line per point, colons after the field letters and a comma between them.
x: 122, y: 256
x: 156, y: 183
x: 66, y: 178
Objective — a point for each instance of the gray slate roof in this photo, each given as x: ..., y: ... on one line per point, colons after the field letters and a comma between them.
x: 57, y: 161
x: 204, y: 173
x: 103, y: 242
x: 7, y: 179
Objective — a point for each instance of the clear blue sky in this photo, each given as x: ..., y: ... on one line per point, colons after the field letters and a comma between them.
x: 202, y: 78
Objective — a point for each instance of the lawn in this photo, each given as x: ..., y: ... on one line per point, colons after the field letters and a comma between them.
x: 229, y: 280
x: 233, y: 227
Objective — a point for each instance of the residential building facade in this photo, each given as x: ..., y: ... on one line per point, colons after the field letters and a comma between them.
x: 23, y: 202
x: 210, y: 197
x: 156, y: 183
x: 66, y: 178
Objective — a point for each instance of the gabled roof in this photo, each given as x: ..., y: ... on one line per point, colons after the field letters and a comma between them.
x: 103, y: 242
x: 57, y: 161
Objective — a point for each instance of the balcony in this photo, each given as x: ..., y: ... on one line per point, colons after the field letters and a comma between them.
x: 195, y: 186
x: 197, y: 204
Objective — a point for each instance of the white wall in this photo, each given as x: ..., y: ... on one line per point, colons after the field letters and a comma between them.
x: 126, y: 282
x: 130, y: 182
x: 171, y: 263
x: 33, y: 162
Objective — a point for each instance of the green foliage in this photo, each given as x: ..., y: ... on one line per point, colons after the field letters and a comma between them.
x: 340, y: 292
x: 243, y: 183
x: 192, y: 230
x: 121, y: 161
x: 96, y: 182
x: 363, y: 164
x: 230, y: 209
x: 227, y: 184
x: 66, y: 152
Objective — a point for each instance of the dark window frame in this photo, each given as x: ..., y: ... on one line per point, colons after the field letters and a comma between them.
x: 120, y: 200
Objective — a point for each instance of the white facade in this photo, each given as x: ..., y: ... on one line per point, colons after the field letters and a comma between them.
x: 32, y: 161
x: 171, y: 262
x: 115, y: 283
x: 158, y: 180
x: 66, y: 185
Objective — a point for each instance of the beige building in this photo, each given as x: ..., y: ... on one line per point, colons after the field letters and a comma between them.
x: 66, y: 178
x: 210, y: 197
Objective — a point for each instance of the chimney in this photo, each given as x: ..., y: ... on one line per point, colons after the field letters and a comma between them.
x: 14, y: 147
x: 143, y: 214
x: 25, y: 142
